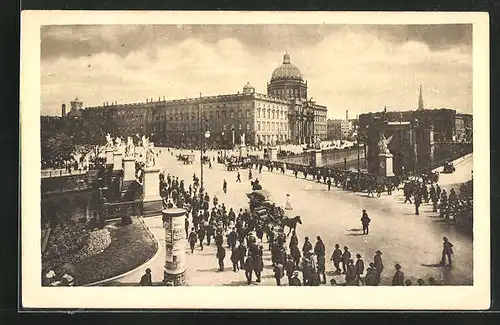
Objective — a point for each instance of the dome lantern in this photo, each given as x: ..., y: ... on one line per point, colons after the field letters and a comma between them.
x: 286, y: 70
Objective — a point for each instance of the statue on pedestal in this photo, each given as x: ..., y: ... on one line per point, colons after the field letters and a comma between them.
x: 317, y: 143
x: 242, y: 139
x: 130, y: 148
x: 109, y: 141
x: 383, y: 143
x: 118, y: 143
x: 150, y: 152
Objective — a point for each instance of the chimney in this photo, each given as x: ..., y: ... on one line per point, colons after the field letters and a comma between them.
x: 63, y: 110
x: 346, y: 114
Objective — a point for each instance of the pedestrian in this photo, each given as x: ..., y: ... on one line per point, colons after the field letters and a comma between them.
x: 319, y: 250
x: 224, y: 186
x: 242, y: 253
x: 379, y: 266
x: 418, y: 201
x: 186, y: 226
x: 307, y: 246
x: 249, y: 262
x: 238, y: 178
x: 399, y: 277
x: 360, y: 269
x: 146, y: 278
x: 235, y: 258
x: 432, y: 281
x: 192, y: 239
x: 336, y: 258
x: 250, y: 173
x: 288, y: 205
x: 350, y: 276
x: 278, y: 272
x: 329, y: 183
x: 221, y: 254
x: 408, y: 282
x: 346, y: 256
x: 201, y: 236
x: 370, y: 277
x: 219, y: 239
x: 420, y: 282
x: 289, y: 268
x: 295, y: 281
x: 447, y: 251
x: 365, y: 222
x: 258, y: 265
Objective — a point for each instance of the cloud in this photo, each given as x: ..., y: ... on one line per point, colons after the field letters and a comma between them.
x: 347, y: 67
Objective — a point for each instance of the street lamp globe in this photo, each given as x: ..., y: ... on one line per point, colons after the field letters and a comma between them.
x: 207, y: 134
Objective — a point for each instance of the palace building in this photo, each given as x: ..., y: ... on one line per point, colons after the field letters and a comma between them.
x: 283, y: 115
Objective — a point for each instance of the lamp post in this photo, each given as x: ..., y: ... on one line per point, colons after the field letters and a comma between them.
x: 204, y: 135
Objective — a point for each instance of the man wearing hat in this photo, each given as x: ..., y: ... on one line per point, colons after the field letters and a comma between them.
x: 365, y: 222
x: 146, y: 278
x: 319, y: 250
x: 337, y: 258
x: 370, y: 275
x: 447, y: 251
x: 289, y: 268
x: 399, y: 277
x: 346, y: 256
x: 379, y: 266
x: 295, y: 281
x: 360, y: 269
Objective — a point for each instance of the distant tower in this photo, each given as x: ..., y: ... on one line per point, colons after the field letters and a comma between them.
x: 76, y: 104
x: 420, y: 100
x: 63, y: 110
x: 346, y: 114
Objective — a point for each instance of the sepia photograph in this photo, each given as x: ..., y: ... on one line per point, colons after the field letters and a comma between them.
x: 245, y: 151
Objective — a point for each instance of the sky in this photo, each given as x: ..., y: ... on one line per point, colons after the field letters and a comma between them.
x: 360, y: 68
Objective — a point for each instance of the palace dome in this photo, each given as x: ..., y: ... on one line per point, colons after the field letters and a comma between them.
x: 287, y: 70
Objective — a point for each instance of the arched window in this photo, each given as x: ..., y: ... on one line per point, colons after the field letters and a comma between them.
x: 239, y: 114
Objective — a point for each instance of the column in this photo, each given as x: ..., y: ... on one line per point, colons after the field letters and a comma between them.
x: 174, y: 273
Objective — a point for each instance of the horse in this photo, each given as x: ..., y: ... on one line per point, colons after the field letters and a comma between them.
x: 290, y: 223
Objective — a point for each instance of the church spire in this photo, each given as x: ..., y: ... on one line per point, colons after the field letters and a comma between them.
x: 420, y: 100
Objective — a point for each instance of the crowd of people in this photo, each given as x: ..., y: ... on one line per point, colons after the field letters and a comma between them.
x: 238, y: 236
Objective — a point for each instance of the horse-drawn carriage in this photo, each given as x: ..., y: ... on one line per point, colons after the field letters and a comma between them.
x: 187, y: 159
x: 260, y: 202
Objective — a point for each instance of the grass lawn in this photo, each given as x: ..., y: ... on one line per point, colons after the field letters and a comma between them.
x: 131, y: 246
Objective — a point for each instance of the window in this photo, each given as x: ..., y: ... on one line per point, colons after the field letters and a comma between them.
x: 268, y: 113
x: 258, y: 126
x: 272, y: 115
x: 239, y: 127
x: 231, y: 114
x: 258, y: 112
x: 248, y: 127
x: 239, y: 114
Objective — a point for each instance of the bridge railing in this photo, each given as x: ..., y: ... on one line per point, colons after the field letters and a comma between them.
x: 116, y: 210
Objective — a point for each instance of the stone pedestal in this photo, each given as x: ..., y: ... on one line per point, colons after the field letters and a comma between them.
x: 385, y: 164
x: 174, y: 273
x: 128, y: 171
x: 243, y: 151
x: 109, y: 156
x: 272, y: 153
x: 315, y: 157
x: 117, y: 162
x: 152, y: 202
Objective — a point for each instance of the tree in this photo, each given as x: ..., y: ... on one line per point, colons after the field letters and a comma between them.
x: 55, y: 148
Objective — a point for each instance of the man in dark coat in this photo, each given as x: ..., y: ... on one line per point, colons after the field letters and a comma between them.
x: 219, y: 239
x: 242, y: 253
x: 336, y: 258
x: 295, y: 281
x: 418, y: 201
x: 186, y: 227
x: 379, y: 266
x: 192, y: 239
x: 329, y: 183
x: 307, y: 246
x: 278, y: 273
x: 289, y: 268
x: 346, y: 256
x: 235, y: 258
x: 232, y: 237
x: 221, y: 254
x: 365, y: 222
x: 201, y: 236
x: 399, y: 276
x: 258, y: 266
x: 350, y: 275
x: 146, y: 278
x: 249, y: 263
x: 447, y: 251
x: 370, y: 275
x: 319, y: 250
x: 360, y: 269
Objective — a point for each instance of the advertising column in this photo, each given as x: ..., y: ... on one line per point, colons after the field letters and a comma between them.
x: 175, y: 247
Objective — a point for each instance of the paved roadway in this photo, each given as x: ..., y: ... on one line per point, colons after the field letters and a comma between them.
x: 413, y: 241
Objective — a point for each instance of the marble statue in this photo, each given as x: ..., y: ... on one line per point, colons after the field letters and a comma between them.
x: 242, y: 139
x: 118, y: 142
x: 130, y: 148
x: 383, y: 143
x: 109, y: 141
x: 317, y: 143
x: 150, y: 152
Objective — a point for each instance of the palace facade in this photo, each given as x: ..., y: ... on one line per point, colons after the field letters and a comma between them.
x: 283, y: 115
